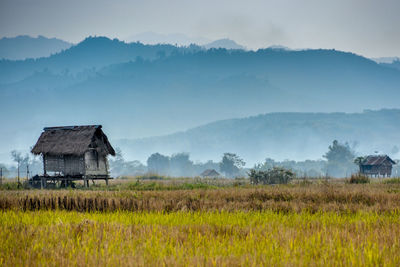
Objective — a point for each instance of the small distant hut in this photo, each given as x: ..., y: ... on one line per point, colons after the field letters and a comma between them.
x: 74, y: 153
x: 377, y: 165
x: 210, y: 173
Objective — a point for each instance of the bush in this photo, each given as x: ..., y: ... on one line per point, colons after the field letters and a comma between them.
x: 276, y: 175
x: 392, y: 181
x: 359, y: 179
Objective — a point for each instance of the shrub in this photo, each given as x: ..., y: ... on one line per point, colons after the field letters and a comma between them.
x: 276, y: 175
x: 359, y: 179
x: 392, y: 181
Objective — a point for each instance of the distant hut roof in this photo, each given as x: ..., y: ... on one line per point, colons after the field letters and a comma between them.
x: 70, y: 140
x: 377, y: 160
x: 210, y: 173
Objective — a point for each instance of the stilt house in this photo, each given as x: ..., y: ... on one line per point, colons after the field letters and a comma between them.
x: 74, y: 151
x: 377, y: 165
x: 210, y: 173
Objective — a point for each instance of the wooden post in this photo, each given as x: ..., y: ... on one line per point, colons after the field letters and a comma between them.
x: 27, y: 172
x: 85, y: 182
x: 18, y: 173
x: 44, y: 165
x: 41, y: 183
x: 107, y: 181
x: 1, y: 176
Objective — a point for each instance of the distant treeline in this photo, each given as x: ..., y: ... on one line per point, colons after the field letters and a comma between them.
x: 339, y: 161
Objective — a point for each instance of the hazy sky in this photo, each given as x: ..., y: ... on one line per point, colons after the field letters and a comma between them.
x: 367, y: 27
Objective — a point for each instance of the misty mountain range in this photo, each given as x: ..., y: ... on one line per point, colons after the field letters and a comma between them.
x: 280, y: 136
x: 136, y: 90
x: 23, y: 46
x: 174, y: 38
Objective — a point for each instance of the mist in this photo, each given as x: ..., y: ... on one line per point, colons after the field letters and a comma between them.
x: 271, y: 103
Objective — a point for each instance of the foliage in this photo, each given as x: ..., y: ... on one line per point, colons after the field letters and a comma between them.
x: 119, y: 167
x: 34, y: 163
x: 307, y: 168
x: 4, y: 170
x: 158, y: 163
x: 359, y: 179
x: 275, y: 175
x: 179, y: 164
x: 359, y: 160
x: 231, y: 164
x: 340, y: 159
x: 392, y: 181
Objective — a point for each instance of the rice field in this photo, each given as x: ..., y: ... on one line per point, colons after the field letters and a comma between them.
x: 62, y: 238
x: 310, y: 225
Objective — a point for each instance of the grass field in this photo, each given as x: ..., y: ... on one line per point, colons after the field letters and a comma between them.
x: 305, y: 224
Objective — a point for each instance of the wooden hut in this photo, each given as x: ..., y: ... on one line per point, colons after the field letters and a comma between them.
x: 210, y: 173
x: 377, y: 165
x: 74, y: 153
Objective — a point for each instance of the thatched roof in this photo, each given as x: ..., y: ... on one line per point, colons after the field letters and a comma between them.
x: 377, y: 160
x: 210, y: 173
x: 70, y: 140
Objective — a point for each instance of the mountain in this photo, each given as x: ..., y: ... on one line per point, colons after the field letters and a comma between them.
x: 23, y: 46
x: 280, y: 136
x: 174, y: 38
x: 386, y: 60
x: 182, y: 40
x: 395, y: 64
x: 136, y: 90
x: 91, y: 54
x: 279, y: 47
x: 224, y: 43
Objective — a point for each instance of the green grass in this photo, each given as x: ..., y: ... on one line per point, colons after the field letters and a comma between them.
x: 392, y: 181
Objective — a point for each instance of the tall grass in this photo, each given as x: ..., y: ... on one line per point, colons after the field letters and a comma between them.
x: 121, y: 238
x: 343, y: 198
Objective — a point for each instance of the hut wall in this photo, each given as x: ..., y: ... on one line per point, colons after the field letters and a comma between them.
x: 74, y: 165
x: 385, y: 170
x: 65, y: 164
x: 95, y: 163
x: 54, y: 163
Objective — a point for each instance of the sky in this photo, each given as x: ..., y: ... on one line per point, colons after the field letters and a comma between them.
x: 366, y: 27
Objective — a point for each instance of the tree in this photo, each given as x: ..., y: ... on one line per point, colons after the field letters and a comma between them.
x: 359, y: 161
x: 4, y: 171
x: 231, y: 164
x: 275, y: 175
x: 158, y: 164
x: 21, y: 161
x: 118, y: 165
x: 180, y: 165
x: 339, y: 159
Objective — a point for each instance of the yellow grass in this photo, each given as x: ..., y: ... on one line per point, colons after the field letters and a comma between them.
x: 124, y: 238
x: 327, y: 224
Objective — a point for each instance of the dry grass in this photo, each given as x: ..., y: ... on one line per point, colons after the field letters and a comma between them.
x: 342, y: 198
x: 303, y: 224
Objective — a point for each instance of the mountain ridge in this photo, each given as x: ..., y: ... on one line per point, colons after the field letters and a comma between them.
x: 138, y: 90
x: 270, y: 133
x: 24, y: 46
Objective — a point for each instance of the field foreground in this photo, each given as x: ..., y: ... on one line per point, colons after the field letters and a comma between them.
x: 310, y: 225
x: 198, y: 238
